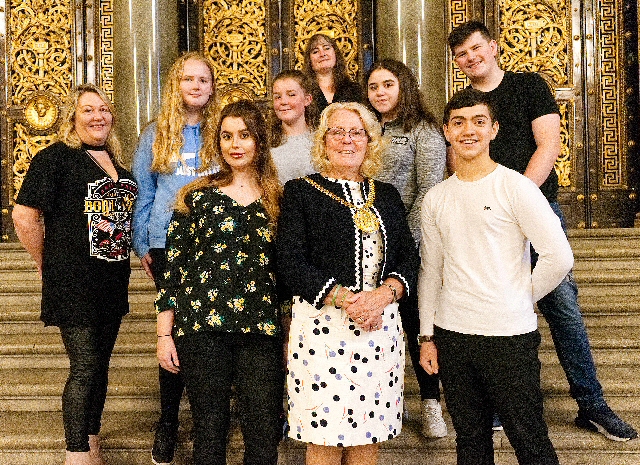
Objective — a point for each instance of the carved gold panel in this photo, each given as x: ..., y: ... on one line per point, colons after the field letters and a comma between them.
x: 564, y: 163
x: 612, y: 105
x: 235, y: 37
x: 40, y: 62
x: 536, y: 36
x: 336, y: 19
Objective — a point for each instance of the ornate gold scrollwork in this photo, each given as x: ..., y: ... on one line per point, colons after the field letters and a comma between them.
x: 563, y: 163
x: 27, y: 146
x: 535, y: 36
x: 338, y: 20
x: 235, y: 39
x: 40, y: 38
x: 614, y: 134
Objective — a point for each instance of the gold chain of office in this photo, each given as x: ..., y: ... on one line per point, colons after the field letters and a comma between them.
x: 364, y: 218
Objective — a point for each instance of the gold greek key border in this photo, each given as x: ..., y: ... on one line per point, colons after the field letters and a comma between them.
x: 106, y: 61
x: 612, y: 106
x: 458, y: 14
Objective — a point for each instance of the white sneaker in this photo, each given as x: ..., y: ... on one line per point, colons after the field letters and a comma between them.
x: 433, y: 425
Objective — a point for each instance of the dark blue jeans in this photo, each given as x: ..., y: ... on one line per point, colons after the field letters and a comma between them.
x: 89, y: 351
x: 561, y: 310
x: 211, y: 363
x: 486, y: 374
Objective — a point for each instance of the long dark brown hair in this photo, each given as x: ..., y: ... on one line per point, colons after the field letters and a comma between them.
x: 411, y: 108
x: 265, y: 168
x: 339, y: 70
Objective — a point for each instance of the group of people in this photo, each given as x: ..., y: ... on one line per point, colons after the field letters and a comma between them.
x: 319, y: 283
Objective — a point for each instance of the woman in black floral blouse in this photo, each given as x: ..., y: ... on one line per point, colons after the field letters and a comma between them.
x: 218, y: 316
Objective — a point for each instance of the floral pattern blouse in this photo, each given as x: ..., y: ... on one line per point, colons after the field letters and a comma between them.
x: 219, y: 274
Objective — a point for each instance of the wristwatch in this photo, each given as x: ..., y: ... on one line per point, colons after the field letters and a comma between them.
x: 422, y: 339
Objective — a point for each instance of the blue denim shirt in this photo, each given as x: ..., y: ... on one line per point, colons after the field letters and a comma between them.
x: 157, y: 191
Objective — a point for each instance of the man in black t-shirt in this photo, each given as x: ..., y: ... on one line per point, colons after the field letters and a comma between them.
x: 529, y: 142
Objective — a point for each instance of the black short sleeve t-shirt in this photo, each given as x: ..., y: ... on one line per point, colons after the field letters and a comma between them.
x: 87, y: 220
x: 518, y: 100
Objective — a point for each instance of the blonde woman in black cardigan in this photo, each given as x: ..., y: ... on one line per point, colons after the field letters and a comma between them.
x: 346, y: 253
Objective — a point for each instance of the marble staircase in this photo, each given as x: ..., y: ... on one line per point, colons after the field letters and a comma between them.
x: 33, y: 369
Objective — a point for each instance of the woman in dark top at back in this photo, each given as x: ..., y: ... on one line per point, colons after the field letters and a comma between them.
x: 324, y: 62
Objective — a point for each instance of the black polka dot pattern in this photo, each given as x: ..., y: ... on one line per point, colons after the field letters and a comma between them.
x: 345, y: 386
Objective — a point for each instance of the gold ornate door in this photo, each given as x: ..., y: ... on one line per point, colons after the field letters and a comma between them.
x: 251, y: 41
x: 46, y: 47
x: 579, y: 48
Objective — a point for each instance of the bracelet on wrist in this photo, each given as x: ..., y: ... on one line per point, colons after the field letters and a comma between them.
x: 344, y: 296
x: 335, y: 294
x: 422, y: 339
x: 164, y: 335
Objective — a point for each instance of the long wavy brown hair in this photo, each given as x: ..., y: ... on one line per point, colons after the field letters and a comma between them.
x: 173, y: 117
x: 265, y: 168
x: 67, y: 131
x: 411, y: 108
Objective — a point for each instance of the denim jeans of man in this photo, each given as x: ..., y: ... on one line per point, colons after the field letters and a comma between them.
x: 562, y: 312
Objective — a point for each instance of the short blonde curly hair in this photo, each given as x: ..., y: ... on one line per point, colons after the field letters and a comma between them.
x: 372, y: 163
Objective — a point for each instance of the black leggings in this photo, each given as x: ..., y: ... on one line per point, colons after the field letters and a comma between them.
x: 89, y: 351
x: 171, y: 384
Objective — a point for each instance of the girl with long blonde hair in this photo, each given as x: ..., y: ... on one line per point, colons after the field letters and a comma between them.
x: 172, y: 152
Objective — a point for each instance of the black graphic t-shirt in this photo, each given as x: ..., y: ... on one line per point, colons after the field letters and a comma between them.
x: 87, y: 218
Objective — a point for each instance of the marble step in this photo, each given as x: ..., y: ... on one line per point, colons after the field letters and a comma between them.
x: 133, y: 383
x: 35, y: 438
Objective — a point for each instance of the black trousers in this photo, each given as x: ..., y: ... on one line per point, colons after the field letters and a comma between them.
x: 89, y: 351
x: 211, y: 362
x: 171, y: 384
x: 429, y: 384
x: 483, y: 373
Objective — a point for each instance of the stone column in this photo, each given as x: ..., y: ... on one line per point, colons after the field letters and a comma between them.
x: 414, y: 32
x: 146, y: 44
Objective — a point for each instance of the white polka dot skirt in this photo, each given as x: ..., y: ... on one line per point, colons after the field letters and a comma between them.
x: 344, y: 385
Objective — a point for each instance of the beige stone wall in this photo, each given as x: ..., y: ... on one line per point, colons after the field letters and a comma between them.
x: 414, y: 32
x: 145, y: 46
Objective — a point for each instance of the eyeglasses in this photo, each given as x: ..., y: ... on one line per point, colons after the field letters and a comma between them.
x: 356, y: 135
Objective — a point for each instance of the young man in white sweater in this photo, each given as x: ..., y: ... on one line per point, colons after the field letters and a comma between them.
x: 477, y: 291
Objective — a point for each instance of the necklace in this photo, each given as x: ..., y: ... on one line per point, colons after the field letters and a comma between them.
x: 364, y: 218
x: 96, y: 148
